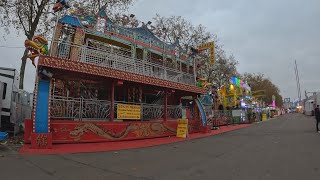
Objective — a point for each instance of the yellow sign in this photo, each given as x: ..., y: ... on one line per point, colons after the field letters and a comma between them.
x: 264, y: 117
x: 210, y: 46
x: 206, y: 46
x: 182, y: 129
x: 127, y: 111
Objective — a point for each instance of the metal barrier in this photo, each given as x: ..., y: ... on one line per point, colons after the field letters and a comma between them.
x: 119, y: 59
x: 66, y: 108
x: 222, y: 118
x: 79, y: 108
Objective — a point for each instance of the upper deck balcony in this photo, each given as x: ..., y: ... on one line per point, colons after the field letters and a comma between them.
x: 119, y: 59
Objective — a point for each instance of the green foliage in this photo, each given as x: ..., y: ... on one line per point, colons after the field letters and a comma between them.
x: 260, y: 82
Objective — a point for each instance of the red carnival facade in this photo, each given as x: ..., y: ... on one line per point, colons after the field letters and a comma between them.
x: 103, y: 82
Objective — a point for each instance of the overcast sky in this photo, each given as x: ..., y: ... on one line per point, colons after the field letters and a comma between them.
x: 264, y: 35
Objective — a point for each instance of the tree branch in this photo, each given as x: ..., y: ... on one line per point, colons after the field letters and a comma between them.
x: 23, y: 26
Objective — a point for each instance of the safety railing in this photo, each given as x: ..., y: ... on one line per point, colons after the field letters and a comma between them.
x: 155, y: 111
x: 139, y: 37
x: 79, y: 108
x: 174, y: 112
x: 119, y: 61
x: 66, y: 108
x: 221, y: 118
x: 152, y: 111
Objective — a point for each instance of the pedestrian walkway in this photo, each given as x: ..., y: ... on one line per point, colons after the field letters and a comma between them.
x: 120, y: 145
x: 286, y: 147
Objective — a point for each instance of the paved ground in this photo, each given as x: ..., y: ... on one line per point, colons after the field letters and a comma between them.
x: 284, y: 148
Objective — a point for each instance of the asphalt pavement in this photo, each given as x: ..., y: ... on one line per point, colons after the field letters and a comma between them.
x: 287, y: 147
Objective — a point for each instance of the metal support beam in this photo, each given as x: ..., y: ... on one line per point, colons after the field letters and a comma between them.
x: 112, y: 102
x: 165, y: 113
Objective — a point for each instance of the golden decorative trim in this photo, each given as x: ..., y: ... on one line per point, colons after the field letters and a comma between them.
x: 76, y: 66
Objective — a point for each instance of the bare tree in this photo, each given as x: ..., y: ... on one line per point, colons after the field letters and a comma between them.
x: 32, y: 17
x: 223, y: 70
x: 169, y: 29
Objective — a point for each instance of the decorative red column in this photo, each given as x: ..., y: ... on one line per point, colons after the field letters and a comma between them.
x: 165, y: 113
x: 112, y: 102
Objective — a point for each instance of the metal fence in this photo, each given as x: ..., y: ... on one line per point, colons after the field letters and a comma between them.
x: 66, y: 108
x: 79, y: 108
x: 22, y: 112
x: 226, y: 117
x: 115, y: 58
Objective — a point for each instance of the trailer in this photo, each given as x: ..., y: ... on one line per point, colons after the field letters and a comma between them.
x: 10, y: 83
x: 15, y: 104
x: 309, y: 107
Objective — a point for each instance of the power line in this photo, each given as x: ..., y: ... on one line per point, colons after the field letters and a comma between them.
x: 11, y: 47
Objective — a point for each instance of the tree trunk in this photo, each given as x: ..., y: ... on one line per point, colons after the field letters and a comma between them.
x: 23, y: 68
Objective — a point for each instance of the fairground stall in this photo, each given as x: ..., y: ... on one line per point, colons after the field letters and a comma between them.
x: 233, y: 103
x: 103, y: 82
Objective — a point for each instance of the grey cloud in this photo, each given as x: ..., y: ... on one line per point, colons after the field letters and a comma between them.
x: 264, y: 35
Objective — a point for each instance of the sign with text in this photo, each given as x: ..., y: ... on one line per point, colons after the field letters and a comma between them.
x: 210, y: 46
x: 182, y: 129
x: 128, y: 111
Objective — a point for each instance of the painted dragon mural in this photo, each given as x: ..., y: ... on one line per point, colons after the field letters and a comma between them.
x: 37, y: 46
x: 141, y: 130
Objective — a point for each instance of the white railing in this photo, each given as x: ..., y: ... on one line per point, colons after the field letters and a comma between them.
x: 79, y: 108
x: 152, y: 111
x: 116, y: 60
x: 139, y: 37
x: 175, y: 112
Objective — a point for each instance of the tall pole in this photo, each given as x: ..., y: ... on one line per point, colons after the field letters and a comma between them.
x: 298, y: 80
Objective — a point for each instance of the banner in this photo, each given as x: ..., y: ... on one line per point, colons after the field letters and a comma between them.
x: 182, y: 129
x: 127, y: 111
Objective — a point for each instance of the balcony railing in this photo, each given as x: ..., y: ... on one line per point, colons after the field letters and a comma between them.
x: 79, y: 109
x: 140, y: 37
x: 115, y: 60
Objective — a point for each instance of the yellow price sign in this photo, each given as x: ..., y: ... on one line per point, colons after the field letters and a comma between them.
x: 127, y: 111
x: 182, y: 129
